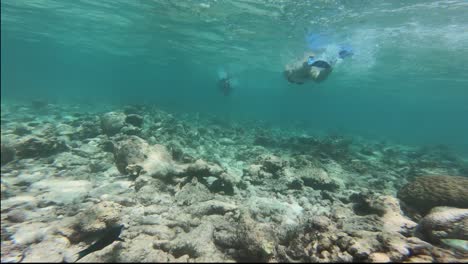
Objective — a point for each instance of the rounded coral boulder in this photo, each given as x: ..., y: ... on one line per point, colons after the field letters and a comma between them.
x: 427, y: 192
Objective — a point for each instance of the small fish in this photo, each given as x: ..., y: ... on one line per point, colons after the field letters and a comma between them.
x: 458, y: 244
x: 109, y: 236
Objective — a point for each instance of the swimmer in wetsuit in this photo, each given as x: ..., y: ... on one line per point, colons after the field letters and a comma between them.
x: 311, y: 68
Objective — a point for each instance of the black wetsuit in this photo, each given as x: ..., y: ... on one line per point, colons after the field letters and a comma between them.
x: 320, y: 64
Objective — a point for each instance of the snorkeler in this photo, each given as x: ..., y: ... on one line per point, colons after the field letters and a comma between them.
x: 312, y: 68
x: 225, y: 82
x: 224, y: 85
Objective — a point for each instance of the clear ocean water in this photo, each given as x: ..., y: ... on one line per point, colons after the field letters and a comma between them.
x: 406, y: 82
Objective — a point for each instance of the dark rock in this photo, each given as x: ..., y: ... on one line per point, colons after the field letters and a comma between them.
x: 272, y: 164
x: 107, y: 146
x: 366, y: 150
x: 7, y: 154
x: 337, y: 148
x: 134, y: 155
x: 427, y: 192
x: 225, y: 236
x: 112, y: 122
x: 320, y: 183
x: 39, y: 104
x: 133, y: 109
x: 21, y: 130
x: 317, y: 179
x: 33, y: 147
x: 16, y: 216
x: 223, y: 184
x: 201, y: 168
x: 256, y: 175
x: 26, y: 119
x: 129, y: 152
x: 256, y: 243
x: 88, y: 129
x: 265, y: 141
x: 33, y: 124
x: 134, y: 119
x: 176, y: 150
x: 98, y: 166
x: 131, y: 130
x: 295, y: 184
x: 193, y: 193
x: 302, y: 143
x: 364, y: 204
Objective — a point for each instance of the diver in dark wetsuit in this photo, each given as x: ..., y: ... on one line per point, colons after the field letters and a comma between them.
x: 224, y: 84
x: 310, y: 68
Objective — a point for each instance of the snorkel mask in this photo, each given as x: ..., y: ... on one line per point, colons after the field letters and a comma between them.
x: 310, y: 60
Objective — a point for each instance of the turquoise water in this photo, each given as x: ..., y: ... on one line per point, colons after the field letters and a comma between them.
x: 406, y: 82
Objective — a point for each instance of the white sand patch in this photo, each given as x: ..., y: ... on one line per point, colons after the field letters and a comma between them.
x: 61, y: 191
x: 117, y: 187
x: 266, y: 209
x: 30, y: 233
x: 24, y: 200
x: 30, y: 177
x: 51, y: 249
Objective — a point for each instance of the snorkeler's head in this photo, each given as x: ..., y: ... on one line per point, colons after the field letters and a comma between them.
x: 345, y: 51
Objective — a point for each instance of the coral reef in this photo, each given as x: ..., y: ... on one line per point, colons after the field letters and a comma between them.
x: 192, y: 188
